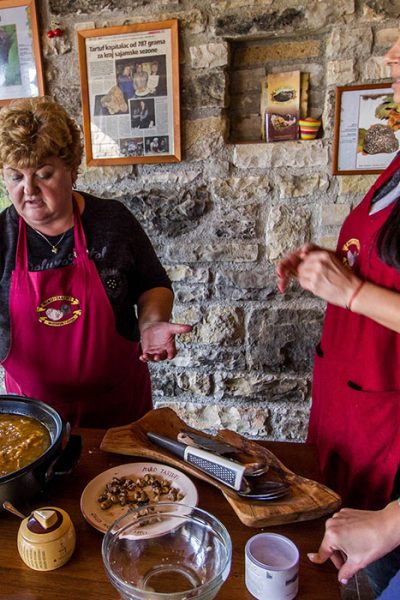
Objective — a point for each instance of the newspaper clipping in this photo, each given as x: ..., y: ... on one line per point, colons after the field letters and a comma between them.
x: 130, y: 94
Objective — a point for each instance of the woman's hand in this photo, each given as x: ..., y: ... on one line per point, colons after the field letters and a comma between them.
x: 355, y: 538
x: 158, y: 340
x: 319, y: 271
x: 288, y: 266
x: 323, y: 273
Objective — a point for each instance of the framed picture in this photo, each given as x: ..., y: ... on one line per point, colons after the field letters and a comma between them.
x: 21, y: 74
x: 130, y: 93
x: 367, y: 129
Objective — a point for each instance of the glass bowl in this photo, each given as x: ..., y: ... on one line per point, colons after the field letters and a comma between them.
x: 174, y: 552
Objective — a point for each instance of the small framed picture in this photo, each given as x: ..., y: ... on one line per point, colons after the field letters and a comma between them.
x: 21, y: 74
x: 367, y: 129
x: 130, y: 93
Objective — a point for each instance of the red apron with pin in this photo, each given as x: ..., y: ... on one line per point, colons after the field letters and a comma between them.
x: 355, y: 413
x: 65, y: 349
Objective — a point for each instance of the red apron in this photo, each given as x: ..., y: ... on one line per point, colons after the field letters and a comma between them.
x: 355, y: 413
x: 64, y: 347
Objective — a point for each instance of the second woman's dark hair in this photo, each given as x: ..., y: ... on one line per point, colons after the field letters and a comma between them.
x: 388, y: 241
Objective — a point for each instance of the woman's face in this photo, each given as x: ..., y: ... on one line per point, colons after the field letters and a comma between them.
x: 41, y: 195
x: 392, y: 59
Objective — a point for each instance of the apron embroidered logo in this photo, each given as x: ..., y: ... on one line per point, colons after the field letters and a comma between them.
x: 351, y: 250
x: 58, y: 311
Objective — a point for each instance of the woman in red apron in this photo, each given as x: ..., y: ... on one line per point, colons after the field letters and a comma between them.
x: 355, y: 413
x: 62, y: 332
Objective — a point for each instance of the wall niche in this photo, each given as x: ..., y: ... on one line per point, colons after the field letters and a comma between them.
x: 252, y: 60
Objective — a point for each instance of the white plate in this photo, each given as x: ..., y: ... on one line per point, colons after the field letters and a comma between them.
x: 103, y: 519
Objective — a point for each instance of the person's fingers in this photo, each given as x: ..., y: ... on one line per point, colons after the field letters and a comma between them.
x: 347, y: 571
x: 338, y: 559
x: 177, y: 328
x: 321, y: 556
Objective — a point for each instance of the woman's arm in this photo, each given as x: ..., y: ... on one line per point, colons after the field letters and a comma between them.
x: 157, y: 334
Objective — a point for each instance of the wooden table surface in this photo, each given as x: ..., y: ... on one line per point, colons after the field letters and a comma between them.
x: 84, y: 576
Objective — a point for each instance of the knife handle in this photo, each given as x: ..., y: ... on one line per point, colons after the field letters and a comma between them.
x: 227, y: 471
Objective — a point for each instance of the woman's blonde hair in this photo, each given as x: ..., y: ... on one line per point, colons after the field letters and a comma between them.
x: 33, y: 129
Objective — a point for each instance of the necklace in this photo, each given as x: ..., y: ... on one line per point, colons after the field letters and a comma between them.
x: 54, y: 247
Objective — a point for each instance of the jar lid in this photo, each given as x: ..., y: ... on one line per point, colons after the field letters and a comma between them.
x: 45, y: 524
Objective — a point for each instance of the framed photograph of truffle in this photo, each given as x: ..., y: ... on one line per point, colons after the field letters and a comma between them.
x: 367, y: 129
x: 130, y: 93
x: 21, y: 74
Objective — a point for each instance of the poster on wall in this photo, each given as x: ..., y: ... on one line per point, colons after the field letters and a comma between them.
x: 130, y: 93
x: 20, y: 65
x: 367, y: 129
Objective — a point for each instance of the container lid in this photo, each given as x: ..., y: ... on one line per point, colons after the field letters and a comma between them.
x: 45, y: 524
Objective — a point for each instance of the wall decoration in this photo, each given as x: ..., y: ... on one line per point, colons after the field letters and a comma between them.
x: 130, y: 93
x: 21, y: 73
x: 367, y: 129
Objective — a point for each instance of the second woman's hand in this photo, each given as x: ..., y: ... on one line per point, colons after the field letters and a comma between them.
x: 323, y: 274
x: 158, y: 340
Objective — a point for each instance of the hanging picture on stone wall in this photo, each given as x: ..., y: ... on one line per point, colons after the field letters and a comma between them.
x: 21, y: 73
x: 367, y: 129
x: 130, y: 93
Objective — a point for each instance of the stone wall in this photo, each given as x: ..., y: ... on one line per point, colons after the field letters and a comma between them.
x: 222, y: 217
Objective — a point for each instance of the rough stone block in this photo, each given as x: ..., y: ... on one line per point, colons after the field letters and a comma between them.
x: 220, y: 325
x: 255, y: 284
x: 207, y: 90
x: 245, y: 128
x: 215, y: 250
x: 375, y: 68
x: 237, y: 222
x: 210, y: 357
x: 349, y: 41
x: 385, y: 38
x: 334, y: 214
x: 194, y: 293
x: 280, y: 154
x: 199, y: 384
x: 236, y: 190
x: 184, y: 273
x: 209, y: 56
x: 287, y: 229
x: 296, y: 186
x: 254, y: 55
x: 283, y: 340
x: 204, y: 137
x: 356, y: 184
x: 340, y: 72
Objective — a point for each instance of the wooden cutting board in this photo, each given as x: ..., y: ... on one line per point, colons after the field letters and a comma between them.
x: 307, y: 499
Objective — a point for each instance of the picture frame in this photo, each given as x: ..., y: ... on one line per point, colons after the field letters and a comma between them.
x: 21, y: 73
x: 130, y: 93
x: 367, y: 129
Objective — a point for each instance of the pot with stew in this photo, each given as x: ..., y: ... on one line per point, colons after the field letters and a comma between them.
x: 35, y: 445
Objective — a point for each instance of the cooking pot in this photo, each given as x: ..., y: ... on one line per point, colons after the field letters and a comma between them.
x: 60, y: 457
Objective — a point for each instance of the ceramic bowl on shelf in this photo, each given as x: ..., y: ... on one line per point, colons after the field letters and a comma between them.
x: 167, y: 550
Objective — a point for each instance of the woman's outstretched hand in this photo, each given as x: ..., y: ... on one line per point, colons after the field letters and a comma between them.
x: 158, y: 340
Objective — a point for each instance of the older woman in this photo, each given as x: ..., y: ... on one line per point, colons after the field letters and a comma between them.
x: 72, y: 270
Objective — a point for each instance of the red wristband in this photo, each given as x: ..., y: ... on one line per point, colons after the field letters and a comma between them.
x: 354, y: 294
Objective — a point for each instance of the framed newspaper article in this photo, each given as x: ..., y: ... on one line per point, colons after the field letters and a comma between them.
x: 130, y: 93
x: 21, y: 73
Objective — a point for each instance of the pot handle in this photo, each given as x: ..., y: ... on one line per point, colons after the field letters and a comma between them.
x: 67, y: 459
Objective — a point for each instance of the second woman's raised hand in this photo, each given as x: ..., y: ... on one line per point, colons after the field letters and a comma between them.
x: 287, y: 267
x: 158, y: 340
x: 323, y: 273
